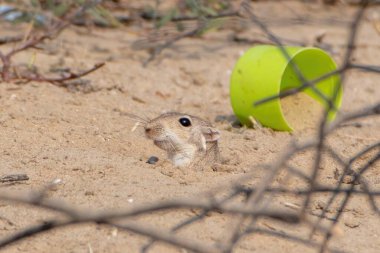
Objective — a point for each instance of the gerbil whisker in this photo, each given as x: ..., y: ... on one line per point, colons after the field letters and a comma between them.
x: 136, y: 118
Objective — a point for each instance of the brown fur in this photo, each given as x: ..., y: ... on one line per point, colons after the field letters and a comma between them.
x: 196, y: 144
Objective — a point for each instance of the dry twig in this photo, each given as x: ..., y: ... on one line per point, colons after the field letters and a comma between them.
x: 32, y: 39
x: 245, y: 203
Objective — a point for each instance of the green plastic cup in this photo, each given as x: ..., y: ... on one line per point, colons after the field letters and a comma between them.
x: 263, y: 71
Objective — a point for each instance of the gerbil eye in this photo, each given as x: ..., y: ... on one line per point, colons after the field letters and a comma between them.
x: 185, y: 122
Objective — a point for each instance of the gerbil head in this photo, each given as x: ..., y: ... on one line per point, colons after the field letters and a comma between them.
x: 182, y: 136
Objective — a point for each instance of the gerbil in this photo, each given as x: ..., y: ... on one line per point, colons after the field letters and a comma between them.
x: 188, y: 140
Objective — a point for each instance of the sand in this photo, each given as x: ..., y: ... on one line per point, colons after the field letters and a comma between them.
x: 82, y: 137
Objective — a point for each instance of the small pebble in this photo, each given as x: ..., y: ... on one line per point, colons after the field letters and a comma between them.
x: 152, y: 160
x: 114, y: 232
x: 89, y: 193
x: 351, y: 223
x: 57, y: 181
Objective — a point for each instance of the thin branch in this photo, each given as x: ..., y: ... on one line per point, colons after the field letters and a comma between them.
x: 60, y: 80
x: 14, y: 178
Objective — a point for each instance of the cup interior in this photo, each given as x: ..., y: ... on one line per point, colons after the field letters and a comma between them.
x: 313, y: 64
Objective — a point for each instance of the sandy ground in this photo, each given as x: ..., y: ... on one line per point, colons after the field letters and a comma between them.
x: 82, y: 137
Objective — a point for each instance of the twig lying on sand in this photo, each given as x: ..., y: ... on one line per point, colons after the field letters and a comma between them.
x: 14, y: 178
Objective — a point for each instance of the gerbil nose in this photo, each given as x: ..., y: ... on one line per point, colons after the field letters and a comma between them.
x: 149, y: 132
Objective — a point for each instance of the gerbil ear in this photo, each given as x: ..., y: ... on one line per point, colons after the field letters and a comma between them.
x: 211, y: 134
